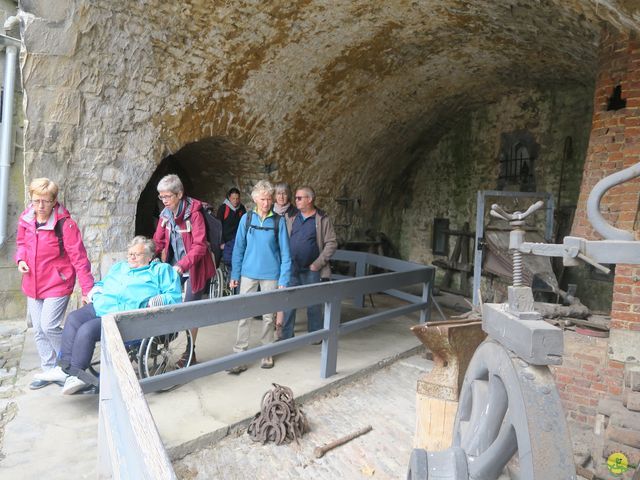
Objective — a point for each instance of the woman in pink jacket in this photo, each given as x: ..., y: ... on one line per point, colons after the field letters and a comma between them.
x: 49, y: 254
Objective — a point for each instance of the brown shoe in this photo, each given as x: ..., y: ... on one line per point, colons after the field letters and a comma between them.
x: 266, y: 362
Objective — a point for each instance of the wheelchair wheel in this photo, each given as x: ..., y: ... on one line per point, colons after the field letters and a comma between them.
x: 226, y: 290
x: 165, y: 353
x: 216, y: 285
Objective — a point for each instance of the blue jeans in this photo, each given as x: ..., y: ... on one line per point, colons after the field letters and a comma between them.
x: 314, y: 312
x: 79, y: 337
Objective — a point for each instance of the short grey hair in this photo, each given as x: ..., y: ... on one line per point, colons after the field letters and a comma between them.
x: 147, y: 243
x: 171, y: 183
x: 309, y: 191
x: 283, y: 187
x: 263, y: 186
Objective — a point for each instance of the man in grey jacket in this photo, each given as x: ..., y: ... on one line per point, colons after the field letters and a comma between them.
x: 312, y: 241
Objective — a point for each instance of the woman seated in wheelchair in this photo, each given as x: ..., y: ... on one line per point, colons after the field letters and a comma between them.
x: 136, y: 283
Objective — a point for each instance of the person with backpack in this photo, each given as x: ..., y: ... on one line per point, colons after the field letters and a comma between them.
x: 181, y: 240
x: 261, y: 259
x: 49, y: 255
x: 229, y: 213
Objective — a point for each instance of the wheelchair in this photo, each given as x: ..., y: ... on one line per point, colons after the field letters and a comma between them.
x: 149, y: 357
x: 161, y: 354
x: 219, y: 283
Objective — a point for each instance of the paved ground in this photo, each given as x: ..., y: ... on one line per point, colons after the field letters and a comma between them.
x: 385, y: 399
x: 45, y: 424
x: 12, y: 336
x: 63, y: 429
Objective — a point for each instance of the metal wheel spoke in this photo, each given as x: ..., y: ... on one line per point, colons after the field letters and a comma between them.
x: 492, y: 461
x: 165, y: 353
x: 492, y: 417
x: 479, y: 398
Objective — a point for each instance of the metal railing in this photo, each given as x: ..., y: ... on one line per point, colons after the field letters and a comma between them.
x: 129, y: 444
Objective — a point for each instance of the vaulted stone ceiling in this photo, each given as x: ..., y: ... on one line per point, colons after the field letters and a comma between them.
x: 351, y: 90
x: 336, y: 93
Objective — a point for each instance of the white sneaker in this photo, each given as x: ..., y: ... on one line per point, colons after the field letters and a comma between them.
x: 52, y: 375
x: 72, y: 385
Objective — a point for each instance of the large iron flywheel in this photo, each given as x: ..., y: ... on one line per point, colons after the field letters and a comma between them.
x: 509, y: 425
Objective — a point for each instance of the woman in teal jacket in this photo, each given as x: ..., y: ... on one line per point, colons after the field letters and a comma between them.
x: 136, y: 283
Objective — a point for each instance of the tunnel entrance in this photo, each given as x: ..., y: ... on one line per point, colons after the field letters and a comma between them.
x: 207, y: 168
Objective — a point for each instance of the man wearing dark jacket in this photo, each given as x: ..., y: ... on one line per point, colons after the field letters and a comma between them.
x: 312, y: 241
x: 229, y: 214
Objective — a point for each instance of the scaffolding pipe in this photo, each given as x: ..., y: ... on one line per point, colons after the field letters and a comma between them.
x: 6, y: 136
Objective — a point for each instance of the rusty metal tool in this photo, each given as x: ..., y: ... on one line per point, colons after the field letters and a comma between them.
x: 320, y: 451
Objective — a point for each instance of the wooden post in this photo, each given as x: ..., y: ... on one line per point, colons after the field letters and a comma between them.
x: 452, y: 344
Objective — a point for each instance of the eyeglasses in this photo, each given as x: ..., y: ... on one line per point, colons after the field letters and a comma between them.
x: 300, y: 198
x: 166, y: 197
x: 42, y: 202
x: 135, y: 255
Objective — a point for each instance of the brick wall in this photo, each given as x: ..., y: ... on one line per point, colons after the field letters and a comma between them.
x: 593, y: 367
x: 586, y: 375
x: 615, y: 134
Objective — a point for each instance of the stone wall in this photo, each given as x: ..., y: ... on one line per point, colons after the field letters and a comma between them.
x: 339, y: 97
x: 12, y: 302
x: 443, y: 181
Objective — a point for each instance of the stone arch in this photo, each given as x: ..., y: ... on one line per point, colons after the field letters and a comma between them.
x: 207, y: 168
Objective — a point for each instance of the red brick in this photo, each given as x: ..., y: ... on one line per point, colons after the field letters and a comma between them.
x: 619, y: 296
x: 588, y: 358
x: 563, y: 379
x: 579, y: 392
x: 581, y: 382
x: 616, y: 391
x: 600, y: 387
x: 628, y: 316
x: 620, y: 307
x: 619, y: 325
x: 624, y: 279
x: 624, y: 289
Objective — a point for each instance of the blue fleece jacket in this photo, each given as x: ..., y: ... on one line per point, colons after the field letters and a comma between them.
x: 256, y: 254
x: 126, y: 288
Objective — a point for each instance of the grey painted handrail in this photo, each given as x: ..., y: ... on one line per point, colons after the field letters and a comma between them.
x: 129, y: 444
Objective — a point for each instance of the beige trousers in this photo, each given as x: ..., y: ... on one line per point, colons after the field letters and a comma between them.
x: 248, y: 285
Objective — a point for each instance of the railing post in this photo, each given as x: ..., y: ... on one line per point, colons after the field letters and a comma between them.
x: 361, y: 267
x: 425, y: 313
x: 329, y: 355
